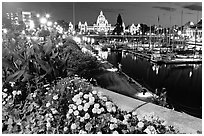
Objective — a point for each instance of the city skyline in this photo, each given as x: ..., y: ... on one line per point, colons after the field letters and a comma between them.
x: 154, y: 13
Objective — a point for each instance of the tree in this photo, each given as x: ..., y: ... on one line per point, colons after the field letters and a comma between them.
x: 119, y: 28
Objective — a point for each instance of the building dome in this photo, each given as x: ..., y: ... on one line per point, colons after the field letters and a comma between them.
x: 101, y: 20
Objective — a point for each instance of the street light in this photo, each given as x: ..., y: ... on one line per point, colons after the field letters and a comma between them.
x: 38, y: 15
x: 47, y: 16
x: 43, y: 20
x: 49, y: 23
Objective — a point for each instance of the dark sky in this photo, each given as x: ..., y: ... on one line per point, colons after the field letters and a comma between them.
x: 131, y: 12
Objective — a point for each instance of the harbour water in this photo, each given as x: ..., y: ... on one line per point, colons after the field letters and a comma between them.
x: 182, y: 82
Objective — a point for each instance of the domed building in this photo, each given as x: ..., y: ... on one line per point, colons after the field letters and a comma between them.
x: 101, y: 26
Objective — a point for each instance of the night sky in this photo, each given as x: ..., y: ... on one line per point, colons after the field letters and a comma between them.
x: 131, y: 12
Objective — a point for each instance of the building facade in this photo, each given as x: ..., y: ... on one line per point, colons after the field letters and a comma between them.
x: 101, y: 26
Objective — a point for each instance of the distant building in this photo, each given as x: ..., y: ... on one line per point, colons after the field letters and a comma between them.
x: 191, y: 30
x: 101, y: 26
x: 13, y: 17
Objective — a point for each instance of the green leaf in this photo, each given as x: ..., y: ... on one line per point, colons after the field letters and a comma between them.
x: 10, y: 121
x: 15, y: 76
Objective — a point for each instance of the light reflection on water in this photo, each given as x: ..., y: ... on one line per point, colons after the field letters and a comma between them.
x: 183, y: 82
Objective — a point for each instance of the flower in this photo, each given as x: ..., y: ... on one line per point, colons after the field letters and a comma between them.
x: 12, y: 84
x: 88, y: 126
x: 78, y: 102
x: 99, y: 132
x: 87, y: 116
x: 80, y: 107
x: 4, y: 94
x: 94, y: 92
x: 76, y: 112
x: 82, y: 119
x: 82, y: 132
x: 114, y: 120
x: 65, y: 128
x: 70, y: 111
x: 86, y: 96
x: 80, y: 93
x: 48, y: 104
x: 140, y: 124
x: 111, y: 126
x: 115, y: 132
x: 98, y: 111
x: 18, y: 92
x: 96, y: 105
x: 134, y: 113
x: 104, y: 98
x: 114, y: 109
x: 5, y: 90
x: 14, y: 93
x: 73, y: 126
x: 94, y: 110
x: 55, y: 97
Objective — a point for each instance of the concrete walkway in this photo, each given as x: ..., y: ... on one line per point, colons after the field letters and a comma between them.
x: 183, y: 122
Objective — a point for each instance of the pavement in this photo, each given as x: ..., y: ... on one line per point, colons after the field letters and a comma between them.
x: 183, y: 122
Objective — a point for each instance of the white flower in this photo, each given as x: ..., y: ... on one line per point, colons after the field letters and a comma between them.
x: 14, y: 93
x: 96, y: 105
x: 80, y: 107
x: 134, y: 113
x: 140, y: 124
x: 82, y: 132
x: 34, y: 95
x: 4, y: 94
x: 102, y: 109
x: 48, y: 124
x: 73, y: 126
x: 48, y: 104
x: 147, y: 131
x: 94, y: 110
x: 5, y: 90
x: 125, y: 122
x: 87, y: 116
x: 54, y: 111
x: 74, y: 107
x: 82, y: 119
x: 84, y: 101
x: 111, y: 126
x: 114, y: 120
x: 99, y: 132
x: 108, y: 103
x: 55, y: 97
x: 70, y: 111
x: 94, y: 92
x: 65, y: 128
x: 98, y: 111
x: 115, y: 132
x: 76, y: 112
x: 18, y: 92
x: 114, y: 109
x: 104, y: 98
x: 12, y: 83
x: 86, y: 96
x: 78, y: 102
x: 85, y: 109
x: 80, y: 93
x: 87, y: 105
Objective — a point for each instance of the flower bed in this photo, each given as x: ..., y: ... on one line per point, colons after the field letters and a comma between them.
x: 71, y: 107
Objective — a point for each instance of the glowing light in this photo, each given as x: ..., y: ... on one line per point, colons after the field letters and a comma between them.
x: 77, y: 39
x: 38, y: 15
x: 49, y: 23
x: 32, y: 25
x: 47, y: 16
x: 92, y: 40
x: 88, y: 39
x: 43, y: 20
x: 55, y: 23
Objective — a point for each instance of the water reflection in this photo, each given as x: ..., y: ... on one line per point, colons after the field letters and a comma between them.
x: 183, y: 83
